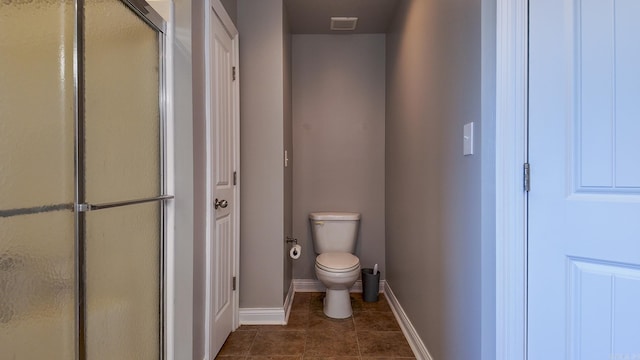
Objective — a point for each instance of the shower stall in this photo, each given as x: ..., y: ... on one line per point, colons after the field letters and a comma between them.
x: 82, y: 191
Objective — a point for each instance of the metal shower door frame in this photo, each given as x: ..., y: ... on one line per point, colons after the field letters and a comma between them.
x: 146, y: 13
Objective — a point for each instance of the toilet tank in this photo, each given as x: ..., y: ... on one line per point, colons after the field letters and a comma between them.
x: 334, y: 231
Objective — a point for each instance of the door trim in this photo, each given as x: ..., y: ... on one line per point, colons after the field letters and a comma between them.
x: 215, y: 8
x: 511, y: 200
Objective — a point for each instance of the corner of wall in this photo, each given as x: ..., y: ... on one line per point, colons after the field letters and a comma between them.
x: 181, y: 346
x: 198, y: 146
x: 261, y: 148
x: 288, y: 148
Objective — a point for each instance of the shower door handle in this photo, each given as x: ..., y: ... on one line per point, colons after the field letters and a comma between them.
x: 220, y: 203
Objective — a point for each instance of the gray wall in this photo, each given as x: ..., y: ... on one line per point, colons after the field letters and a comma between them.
x: 288, y: 146
x: 231, y: 6
x: 488, y: 189
x: 184, y: 192
x: 198, y: 145
x: 338, y: 132
x: 433, y: 192
x: 260, y: 23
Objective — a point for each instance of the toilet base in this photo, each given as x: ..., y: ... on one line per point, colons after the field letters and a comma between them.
x: 337, y: 304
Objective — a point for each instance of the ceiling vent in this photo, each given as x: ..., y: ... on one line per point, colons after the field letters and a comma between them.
x: 343, y: 23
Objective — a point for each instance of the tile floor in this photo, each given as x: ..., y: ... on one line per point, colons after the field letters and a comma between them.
x: 371, y: 333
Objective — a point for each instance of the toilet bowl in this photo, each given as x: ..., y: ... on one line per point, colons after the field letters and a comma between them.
x: 338, y: 272
x: 334, y: 237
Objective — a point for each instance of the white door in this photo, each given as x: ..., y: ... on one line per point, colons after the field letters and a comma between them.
x: 223, y: 197
x: 584, y: 204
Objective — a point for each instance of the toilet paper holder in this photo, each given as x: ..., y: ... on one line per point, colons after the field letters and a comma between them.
x: 290, y: 239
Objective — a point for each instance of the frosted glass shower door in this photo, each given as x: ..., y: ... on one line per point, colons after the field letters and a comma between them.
x: 123, y: 165
x: 81, y: 180
x: 37, y: 229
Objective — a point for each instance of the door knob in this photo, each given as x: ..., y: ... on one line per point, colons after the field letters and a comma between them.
x: 221, y: 203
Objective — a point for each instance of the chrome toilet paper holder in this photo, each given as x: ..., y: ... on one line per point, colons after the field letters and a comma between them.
x: 290, y: 239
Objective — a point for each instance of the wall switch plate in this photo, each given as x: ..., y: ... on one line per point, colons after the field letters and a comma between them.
x: 468, y: 139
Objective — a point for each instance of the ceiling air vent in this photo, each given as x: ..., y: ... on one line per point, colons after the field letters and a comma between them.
x: 343, y: 23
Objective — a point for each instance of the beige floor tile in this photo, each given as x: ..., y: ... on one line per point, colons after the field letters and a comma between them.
x: 301, y: 302
x: 372, y: 333
x: 358, y: 304
x: 317, y: 302
x: 331, y: 358
x: 318, y: 321
x: 375, y: 321
x: 296, y: 357
x: 248, y: 328
x: 383, y: 344
x: 331, y: 343
x: 269, y: 343
x: 238, y: 343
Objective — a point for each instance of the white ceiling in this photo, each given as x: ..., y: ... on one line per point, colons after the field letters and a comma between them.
x: 314, y: 16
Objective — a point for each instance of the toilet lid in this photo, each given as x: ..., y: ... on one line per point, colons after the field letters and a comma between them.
x: 337, y: 262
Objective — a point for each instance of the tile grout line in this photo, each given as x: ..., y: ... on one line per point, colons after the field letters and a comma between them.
x: 355, y: 328
x: 251, y: 346
x: 306, y: 329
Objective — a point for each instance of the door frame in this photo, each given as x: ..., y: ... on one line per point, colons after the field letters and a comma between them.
x: 512, y: 52
x: 213, y: 8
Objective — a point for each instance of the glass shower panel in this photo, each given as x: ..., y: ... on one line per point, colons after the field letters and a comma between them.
x: 37, y: 247
x: 122, y: 131
x: 37, y: 284
x: 123, y: 282
x: 36, y: 104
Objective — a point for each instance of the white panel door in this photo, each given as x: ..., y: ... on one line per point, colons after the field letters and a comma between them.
x: 222, y: 200
x: 584, y: 204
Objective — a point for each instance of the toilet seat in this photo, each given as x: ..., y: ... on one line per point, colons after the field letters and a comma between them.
x: 337, y: 262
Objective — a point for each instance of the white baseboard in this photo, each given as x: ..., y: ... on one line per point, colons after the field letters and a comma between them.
x: 308, y: 285
x: 262, y: 316
x: 268, y: 316
x: 313, y: 285
x: 418, y: 347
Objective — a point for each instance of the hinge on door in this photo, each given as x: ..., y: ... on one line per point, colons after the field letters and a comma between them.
x: 233, y: 73
x: 234, y: 284
x: 235, y: 178
x: 527, y: 177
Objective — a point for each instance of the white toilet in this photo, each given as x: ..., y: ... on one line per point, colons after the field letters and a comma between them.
x: 334, y: 237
